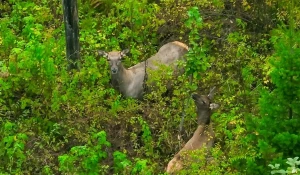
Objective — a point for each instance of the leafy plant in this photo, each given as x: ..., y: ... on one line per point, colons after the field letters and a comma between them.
x: 292, y: 169
x: 12, y: 146
x: 141, y: 167
x: 121, y: 162
x: 47, y: 112
x: 86, y: 159
x: 197, y: 60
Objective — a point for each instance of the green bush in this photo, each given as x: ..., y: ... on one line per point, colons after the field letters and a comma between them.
x: 12, y: 148
x: 292, y: 169
x: 50, y: 118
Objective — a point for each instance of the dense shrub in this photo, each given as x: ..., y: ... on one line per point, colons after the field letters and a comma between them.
x: 57, y: 121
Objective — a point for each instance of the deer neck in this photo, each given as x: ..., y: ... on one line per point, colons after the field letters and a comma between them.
x: 204, y: 114
x: 200, y: 129
x: 120, y: 78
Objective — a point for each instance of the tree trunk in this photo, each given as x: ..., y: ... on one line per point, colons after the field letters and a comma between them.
x: 72, y: 33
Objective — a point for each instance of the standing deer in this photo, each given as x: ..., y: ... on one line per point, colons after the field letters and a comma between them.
x: 204, y: 134
x: 130, y: 81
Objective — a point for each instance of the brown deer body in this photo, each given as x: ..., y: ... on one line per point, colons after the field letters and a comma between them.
x: 204, y: 134
x: 130, y: 81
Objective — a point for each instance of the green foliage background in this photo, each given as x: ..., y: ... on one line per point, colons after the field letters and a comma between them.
x: 59, y: 122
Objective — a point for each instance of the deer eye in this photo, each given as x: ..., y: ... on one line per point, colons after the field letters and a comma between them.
x: 120, y: 58
x: 201, y: 101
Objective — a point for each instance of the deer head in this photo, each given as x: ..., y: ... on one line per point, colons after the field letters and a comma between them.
x: 114, y: 58
x: 205, y: 106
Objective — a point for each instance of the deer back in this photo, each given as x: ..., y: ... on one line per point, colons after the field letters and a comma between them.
x: 168, y: 54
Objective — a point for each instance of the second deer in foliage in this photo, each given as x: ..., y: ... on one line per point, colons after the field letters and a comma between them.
x: 204, y: 135
x: 130, y: 81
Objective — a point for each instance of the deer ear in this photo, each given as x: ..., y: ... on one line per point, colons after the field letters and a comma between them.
x: 102, y: 53
x: 124, y: 52
x: 214, y: 106
x: 211, y: 93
